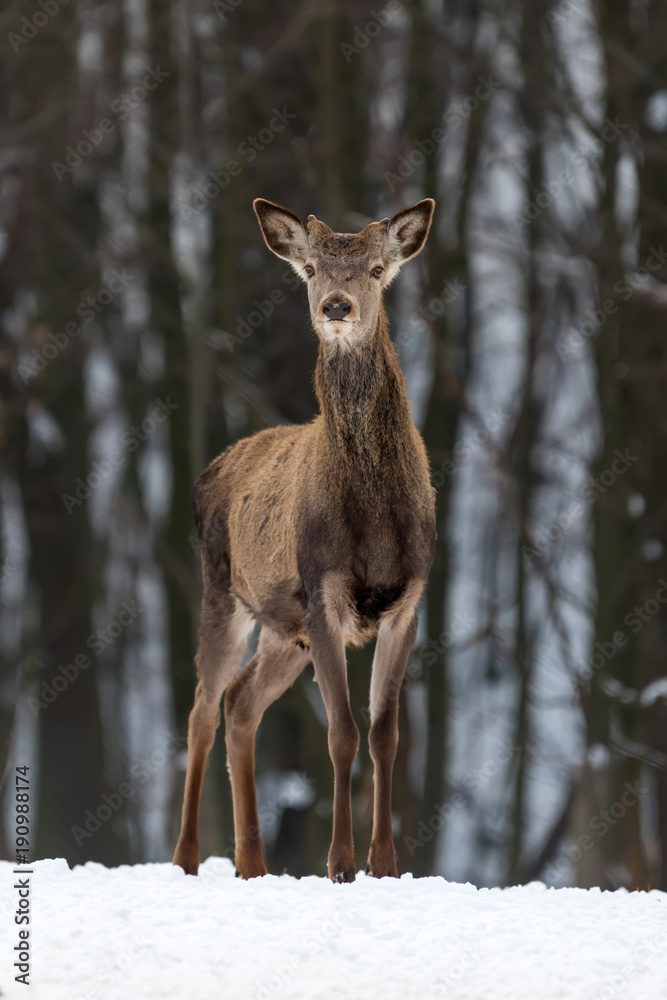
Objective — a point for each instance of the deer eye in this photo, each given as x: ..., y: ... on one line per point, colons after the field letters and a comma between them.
x: 310, y: 271
x: 377, y: 272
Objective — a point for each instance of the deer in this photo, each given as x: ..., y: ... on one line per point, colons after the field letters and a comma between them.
x: 322, y: 533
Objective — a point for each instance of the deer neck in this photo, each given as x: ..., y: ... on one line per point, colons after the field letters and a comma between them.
x: 367, y: 419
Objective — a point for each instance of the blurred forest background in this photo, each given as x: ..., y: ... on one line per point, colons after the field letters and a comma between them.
x: 144, y: 327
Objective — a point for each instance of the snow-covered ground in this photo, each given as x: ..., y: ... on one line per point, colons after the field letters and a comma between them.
x: 149, y: 932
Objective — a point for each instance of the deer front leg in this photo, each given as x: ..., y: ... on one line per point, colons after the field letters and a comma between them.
x: 328, y: 652
x: 396, y: 637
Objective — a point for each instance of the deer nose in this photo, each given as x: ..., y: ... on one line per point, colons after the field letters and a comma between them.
x: 336, y: 310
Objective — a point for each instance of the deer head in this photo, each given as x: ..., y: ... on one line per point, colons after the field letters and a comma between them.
x: 346, y: 273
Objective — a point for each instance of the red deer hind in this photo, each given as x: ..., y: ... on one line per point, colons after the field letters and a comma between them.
x: 324, y: 534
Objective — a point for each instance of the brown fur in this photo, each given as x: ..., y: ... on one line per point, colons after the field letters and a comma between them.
x: 322, y: 533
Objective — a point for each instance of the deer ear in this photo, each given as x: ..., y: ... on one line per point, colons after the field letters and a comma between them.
x: 283, y: 231
x: 407, y: 231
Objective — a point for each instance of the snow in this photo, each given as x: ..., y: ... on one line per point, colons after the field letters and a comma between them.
x: 149, y: 931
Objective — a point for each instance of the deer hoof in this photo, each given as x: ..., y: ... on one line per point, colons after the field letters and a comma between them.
x: 382, y: 864
x: 378, y: 873
x: 342, y: 873
x: 249, y: 869
x: 187, y: 858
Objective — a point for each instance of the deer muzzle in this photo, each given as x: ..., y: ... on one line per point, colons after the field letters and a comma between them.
x: 337, y: 308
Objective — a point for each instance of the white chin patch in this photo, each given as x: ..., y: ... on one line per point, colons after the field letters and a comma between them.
x: 341, y: 331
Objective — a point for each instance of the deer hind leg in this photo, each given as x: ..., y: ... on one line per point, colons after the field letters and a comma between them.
x: 396, y: 636
x: 223, y: 636
x: 273, y: 669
